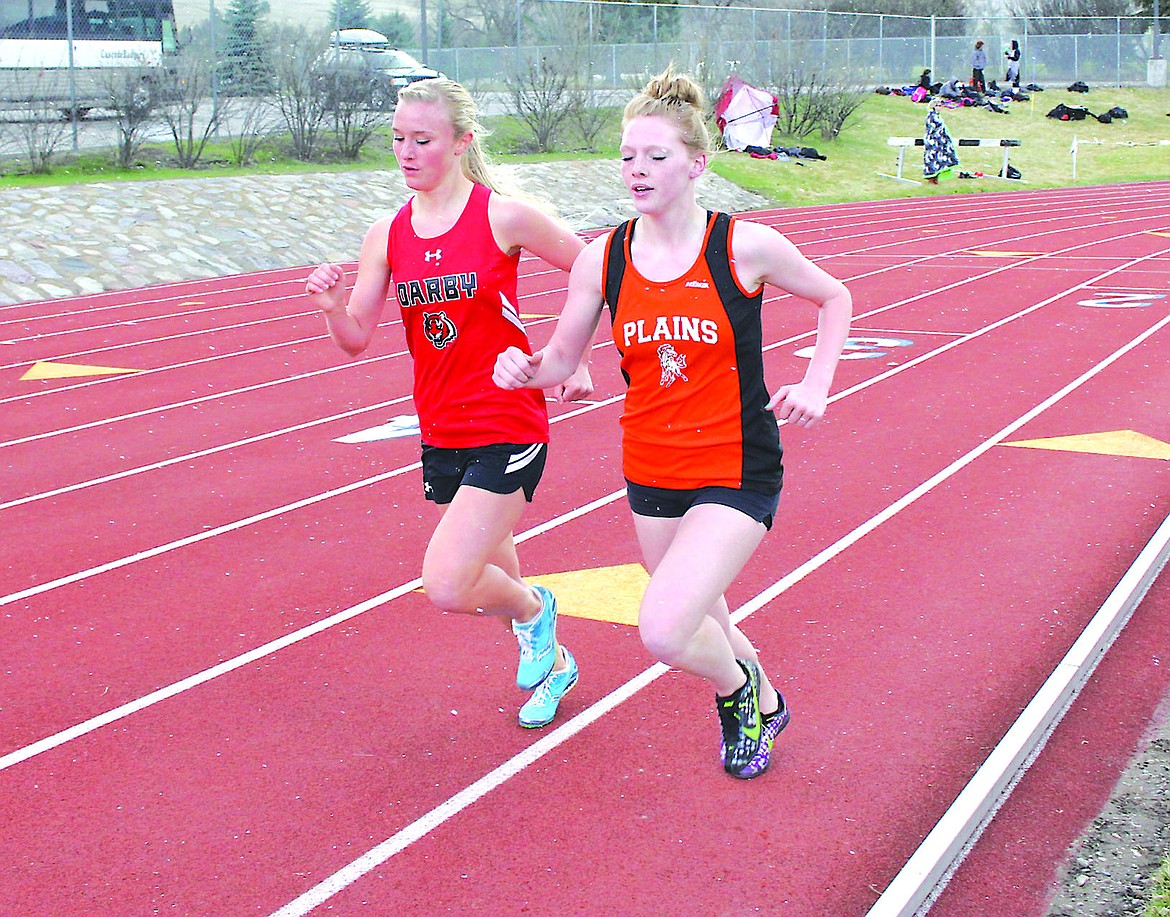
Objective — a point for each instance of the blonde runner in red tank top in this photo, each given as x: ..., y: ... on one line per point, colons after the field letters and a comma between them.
x: 457, y: 294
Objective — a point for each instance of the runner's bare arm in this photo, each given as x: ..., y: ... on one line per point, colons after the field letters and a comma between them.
x: 570, y: 342
x: 762, y: 255
x: 352, y: 322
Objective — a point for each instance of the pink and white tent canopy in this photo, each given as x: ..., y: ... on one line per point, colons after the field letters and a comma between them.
x: 745, y: 115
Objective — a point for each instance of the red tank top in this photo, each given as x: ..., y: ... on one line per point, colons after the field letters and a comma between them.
x: 457, y: 294
x: 696, y: 410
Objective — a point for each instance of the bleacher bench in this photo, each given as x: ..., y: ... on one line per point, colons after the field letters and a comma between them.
x: 904, y: 143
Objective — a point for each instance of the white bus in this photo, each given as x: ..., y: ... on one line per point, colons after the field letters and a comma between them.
x: 34, y: 34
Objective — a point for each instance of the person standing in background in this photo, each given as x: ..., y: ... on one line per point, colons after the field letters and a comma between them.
x: 978, y: 65
x: 1013, y: 64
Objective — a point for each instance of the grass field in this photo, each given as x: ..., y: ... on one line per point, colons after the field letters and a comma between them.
x: 1159, y: 905
x: 1131, y: 150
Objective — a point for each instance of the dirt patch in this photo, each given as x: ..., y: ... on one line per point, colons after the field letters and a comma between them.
x: 1110, y: 867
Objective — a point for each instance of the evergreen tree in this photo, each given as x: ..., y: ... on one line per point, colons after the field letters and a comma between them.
x: 247, y: 68
x: 398, y: 28
x: 1145, y: 9
x: 350, y: 14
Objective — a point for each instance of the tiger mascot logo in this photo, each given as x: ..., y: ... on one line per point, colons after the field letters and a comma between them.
x: 439, y: 329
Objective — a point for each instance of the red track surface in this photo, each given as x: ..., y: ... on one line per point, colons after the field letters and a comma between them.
x: 159, y: 753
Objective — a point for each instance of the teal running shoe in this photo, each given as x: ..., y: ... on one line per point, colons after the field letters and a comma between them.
x: 540, y: 709
x: 538, y: 642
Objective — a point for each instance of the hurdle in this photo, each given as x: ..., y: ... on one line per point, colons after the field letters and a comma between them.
x: 904, y: 143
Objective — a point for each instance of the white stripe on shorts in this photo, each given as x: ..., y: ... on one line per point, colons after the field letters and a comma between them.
x: 523, y: 459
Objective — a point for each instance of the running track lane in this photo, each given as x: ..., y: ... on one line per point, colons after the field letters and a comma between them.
x: 904, y: 699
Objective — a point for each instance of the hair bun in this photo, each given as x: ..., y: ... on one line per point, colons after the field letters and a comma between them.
x: 675, y: 89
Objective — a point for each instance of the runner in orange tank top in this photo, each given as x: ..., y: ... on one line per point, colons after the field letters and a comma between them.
x: 701, y: 450
x: 451, y: 253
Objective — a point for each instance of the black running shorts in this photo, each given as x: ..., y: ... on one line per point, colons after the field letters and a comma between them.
x: 501, y: 468
x: 663, y: 503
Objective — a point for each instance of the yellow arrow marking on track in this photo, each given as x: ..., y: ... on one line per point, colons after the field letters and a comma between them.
x: 610, y: 594
x: 1153, y: 232
x: 603, y: 594
x: 1118, y: 442
x: 46, y: 369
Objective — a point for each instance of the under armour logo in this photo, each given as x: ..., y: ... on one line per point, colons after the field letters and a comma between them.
x: 437, y: 254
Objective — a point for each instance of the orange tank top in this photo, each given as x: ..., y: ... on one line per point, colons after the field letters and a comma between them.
x: 691, y: 352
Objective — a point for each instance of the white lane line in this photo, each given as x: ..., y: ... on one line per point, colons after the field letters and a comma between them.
x: 417, y: 829
x: 241, y: 523
x: 148, y: 411
x: 141, y: 342
x: 147, y: 319
x: 201, y: 536
x: 214, y: 396
x: 202, y: 453
x: 899, y: 243
x: 191, y: 289
x: 309, y: 501
x: 230, y: 665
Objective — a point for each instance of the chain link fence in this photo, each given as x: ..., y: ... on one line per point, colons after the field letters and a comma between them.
x: 149, y: 74
x: 617, y: 44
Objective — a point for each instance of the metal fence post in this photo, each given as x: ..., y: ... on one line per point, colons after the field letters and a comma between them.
x: 1157, y: 31
x: 214, y: 65
x: 1032, y: 63
x: 933, y: 68
x: 1117, y: 22
x: 519, y: 13
x: 72, y: 71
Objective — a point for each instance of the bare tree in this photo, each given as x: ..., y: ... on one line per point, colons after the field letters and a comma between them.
x: 593, y: 111
x: 797, y: 93
x: 134, y: 96
x: 359, y: 101
x: 810, y: 102
x: 541, y: 97
x: 835, y: 108
x: 38, y: 130
x: 187, y: 87
x: 301, y: 94
x: 1060, y: 17
x: 254, y: 121
x: 484, y: 22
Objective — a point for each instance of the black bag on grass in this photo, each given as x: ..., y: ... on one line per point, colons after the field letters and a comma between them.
x: 1064, y: 112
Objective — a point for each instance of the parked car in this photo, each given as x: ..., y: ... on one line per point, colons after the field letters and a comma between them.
x: 400, y: 66
x: 373, y: 49
x: 348, y: 79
